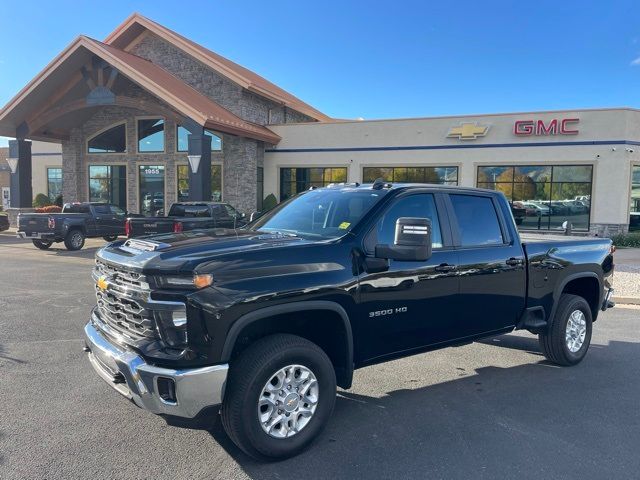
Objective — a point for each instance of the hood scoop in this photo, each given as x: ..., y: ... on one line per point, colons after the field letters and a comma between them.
x: 136, y: 246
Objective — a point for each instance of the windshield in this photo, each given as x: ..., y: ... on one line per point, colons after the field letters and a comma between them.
x: 320, y: 213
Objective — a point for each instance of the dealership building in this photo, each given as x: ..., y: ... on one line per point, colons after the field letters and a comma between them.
x: 147, y: 117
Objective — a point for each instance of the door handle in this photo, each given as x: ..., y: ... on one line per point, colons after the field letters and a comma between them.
x: 445, y: 267
x: 513, y: 262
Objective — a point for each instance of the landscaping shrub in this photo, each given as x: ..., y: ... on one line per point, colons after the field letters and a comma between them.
x: 49, y: 209
x: 269, y: 202
x: 627, y: 240
x: 58, y: 201
x: 41, y: 200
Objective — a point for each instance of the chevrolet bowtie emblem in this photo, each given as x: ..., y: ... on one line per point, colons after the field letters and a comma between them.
x: 468, y: 131
x: 102, y: 283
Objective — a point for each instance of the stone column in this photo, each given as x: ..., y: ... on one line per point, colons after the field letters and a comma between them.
x: 200, y: 181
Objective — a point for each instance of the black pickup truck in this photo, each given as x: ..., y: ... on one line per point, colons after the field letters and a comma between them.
x: 268, y: 319
x: 185, y: 216
x: 76, y: 222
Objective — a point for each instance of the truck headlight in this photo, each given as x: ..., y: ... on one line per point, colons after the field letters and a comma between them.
x: 195, y: 281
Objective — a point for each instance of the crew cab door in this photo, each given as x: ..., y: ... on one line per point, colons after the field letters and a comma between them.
x: 106, y: 220
x: 412, y: 303
x: 492, y: 266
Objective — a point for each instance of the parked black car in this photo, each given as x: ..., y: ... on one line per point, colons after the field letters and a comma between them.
x: 4, y: 222
x: 268, y: 319
x: 76, y: 222
x: 184, y: 216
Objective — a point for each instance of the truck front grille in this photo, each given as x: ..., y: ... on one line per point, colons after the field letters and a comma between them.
x: 125, y: 315
x: 122, y: 277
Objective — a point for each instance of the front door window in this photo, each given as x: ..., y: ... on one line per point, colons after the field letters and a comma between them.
x: 151, y: 190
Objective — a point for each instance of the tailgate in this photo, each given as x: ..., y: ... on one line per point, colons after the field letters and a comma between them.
x: 150, y: 226
x: 34, y: 223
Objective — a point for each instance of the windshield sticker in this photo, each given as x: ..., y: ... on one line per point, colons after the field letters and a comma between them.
x: 344, y: 225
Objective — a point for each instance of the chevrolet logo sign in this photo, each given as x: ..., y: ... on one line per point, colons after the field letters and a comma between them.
x: 102, y: 283
x: 468, y: 131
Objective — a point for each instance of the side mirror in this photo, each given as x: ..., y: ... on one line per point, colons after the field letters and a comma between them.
x: 412, y: 241
x: 243, y: 215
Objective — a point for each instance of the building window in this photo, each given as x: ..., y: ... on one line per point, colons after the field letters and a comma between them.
x: 150, y: 135
x: 113, y: 140
x: 295, y: 180
x: 54, y: 182
x: 108, y: 183
x: 260, y: 189
x: 183, y: 183
x: 183, y: 143
x: 543, y: 197
x: 634, y: 220
x: 437, y: 175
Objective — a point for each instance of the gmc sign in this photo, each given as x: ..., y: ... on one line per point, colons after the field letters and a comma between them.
x: 556, y: 126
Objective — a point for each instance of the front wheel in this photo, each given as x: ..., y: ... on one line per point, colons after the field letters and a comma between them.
x: 74, y: 240
x: 110, y: 238
x: 568, y: 337
x: 279, y: 396
x: 42, y: 244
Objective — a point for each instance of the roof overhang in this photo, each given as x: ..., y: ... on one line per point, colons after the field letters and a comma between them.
x: 57, y: 78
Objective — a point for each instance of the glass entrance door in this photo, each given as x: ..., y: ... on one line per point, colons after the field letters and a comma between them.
x: 151, y: 190
x: 634, y: 219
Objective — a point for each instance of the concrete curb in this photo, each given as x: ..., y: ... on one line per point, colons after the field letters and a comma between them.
x: 627, y: 300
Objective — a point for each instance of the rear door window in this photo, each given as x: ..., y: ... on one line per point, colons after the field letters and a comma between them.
x: 102, y: 209
x: 477, y: 220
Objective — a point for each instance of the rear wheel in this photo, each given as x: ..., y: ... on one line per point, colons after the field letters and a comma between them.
x: 567, y: 339
x: 279, y: 396
x: 74, y: 240
x: 110, y: 238
x: 42, y: 244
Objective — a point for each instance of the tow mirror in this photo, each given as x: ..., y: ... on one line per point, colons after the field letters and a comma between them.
x: 255, y: 215
x: 412, y: 241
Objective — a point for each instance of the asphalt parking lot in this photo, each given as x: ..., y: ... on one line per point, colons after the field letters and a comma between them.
x: 490, y: 410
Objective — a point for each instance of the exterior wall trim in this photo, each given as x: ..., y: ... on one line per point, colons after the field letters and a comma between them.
x: 453, y: 147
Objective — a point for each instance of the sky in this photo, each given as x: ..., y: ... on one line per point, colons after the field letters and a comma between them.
x: 375, y: 59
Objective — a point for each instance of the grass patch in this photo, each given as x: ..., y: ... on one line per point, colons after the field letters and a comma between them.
x: 627, y: 240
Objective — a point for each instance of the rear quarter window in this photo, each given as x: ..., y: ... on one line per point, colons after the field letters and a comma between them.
x: 477, y: 220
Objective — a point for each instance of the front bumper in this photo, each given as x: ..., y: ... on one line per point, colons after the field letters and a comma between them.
x: 130, y: 375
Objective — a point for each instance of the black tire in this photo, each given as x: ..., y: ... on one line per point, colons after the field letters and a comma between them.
x: 74, y: 240
x: 110, y: 238
x: 42, y: 244
x: 553, y: 342
x: 249, y: 374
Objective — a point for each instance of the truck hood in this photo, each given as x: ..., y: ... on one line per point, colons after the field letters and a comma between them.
x: 183, y: 252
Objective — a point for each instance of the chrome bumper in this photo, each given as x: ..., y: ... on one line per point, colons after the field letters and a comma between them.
x: 35, y: 236
x: 131, y: 376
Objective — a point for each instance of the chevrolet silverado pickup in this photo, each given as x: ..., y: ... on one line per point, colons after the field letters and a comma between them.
x: 76, y: 222
x: 262, y: 323
x: 184, y: 216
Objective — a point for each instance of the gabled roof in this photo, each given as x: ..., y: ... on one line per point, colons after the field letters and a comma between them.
x: 159, y: 82
x: 136, y: 24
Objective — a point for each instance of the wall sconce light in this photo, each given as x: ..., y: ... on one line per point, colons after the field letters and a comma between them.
x: 194, y: 162
x: 13, y: 164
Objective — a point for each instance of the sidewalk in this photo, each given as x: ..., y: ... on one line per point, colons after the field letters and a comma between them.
x: 626, y: 279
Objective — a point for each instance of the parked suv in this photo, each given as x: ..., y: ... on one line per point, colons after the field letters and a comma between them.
x: 268, y: 319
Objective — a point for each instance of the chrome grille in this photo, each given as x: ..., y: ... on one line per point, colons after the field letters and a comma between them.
x: 125, y: 315
x: 122, y: 277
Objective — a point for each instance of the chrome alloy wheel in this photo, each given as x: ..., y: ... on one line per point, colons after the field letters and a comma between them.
x: 76, y: 240
x: 576, y: 331
x: 288, y: 401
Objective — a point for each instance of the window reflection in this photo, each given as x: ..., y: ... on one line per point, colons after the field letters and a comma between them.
x: 435, y: 175
x: 113, y: 140
x: 543, y: 197
x: 295, y: 180
x: 183, y: 143
x: 151, y: 135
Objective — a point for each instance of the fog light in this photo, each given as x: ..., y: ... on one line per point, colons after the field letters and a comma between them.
x: 179, y: 318
x: 167, y: 390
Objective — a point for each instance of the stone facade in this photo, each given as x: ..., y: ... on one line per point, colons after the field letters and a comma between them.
x: 608, y: 229
x: 240, y: 157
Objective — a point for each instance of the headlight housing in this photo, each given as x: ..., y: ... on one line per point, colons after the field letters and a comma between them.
x: 172, y: 326
x: 193, y: 282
